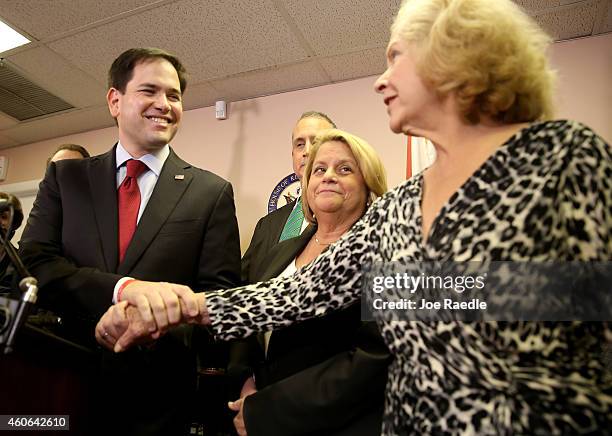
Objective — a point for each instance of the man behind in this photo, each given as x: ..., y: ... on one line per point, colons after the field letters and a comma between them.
x: 8, y: 230
x: 137, y: 211
x: 288, y: 221
x: 68, y: 151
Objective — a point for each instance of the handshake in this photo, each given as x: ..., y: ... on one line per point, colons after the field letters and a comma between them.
x: 146, y: 311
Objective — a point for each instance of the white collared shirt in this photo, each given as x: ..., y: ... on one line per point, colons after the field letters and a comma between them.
x: 148, y: 179
x: 146, y: 182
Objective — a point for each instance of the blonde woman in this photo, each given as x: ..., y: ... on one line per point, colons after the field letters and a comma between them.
x: 326, y: 375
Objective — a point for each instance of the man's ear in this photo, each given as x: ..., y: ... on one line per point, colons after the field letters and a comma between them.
x: 113, y: 96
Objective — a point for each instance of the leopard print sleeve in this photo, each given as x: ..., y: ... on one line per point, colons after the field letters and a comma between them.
x: 331, y: 282
x: 586, y: 195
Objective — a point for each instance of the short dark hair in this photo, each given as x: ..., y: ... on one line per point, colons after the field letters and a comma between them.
x: 17, y: 211
x: 72, y: 147
x: 122, y: 69
x: 317, y: 114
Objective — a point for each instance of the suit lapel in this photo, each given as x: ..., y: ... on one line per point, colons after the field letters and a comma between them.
x: 103, y: 186
x: 166, y: 194
x: 277, y: 260
x: 284, y: 253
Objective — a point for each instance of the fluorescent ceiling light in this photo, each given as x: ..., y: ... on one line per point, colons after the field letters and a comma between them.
x: 9, y: 38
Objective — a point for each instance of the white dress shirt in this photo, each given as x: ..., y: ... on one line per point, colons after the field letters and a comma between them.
x: 146, y: 182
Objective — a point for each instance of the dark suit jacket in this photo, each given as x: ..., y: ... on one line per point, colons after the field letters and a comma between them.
x: 323, y: 376
x: 187, y: 234
x: 265, y: 236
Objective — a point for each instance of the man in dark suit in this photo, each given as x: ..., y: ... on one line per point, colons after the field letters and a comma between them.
x: 138, y: 224
x: 277, y: 225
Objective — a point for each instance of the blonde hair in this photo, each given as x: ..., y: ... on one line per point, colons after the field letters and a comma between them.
x: 489, y: 53
x: 368, y: 161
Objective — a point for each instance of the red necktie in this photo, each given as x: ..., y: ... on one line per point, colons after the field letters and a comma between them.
x: 129, y: 202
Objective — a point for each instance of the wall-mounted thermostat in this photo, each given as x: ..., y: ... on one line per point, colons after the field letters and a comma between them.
x: 3, y: 167
x: 221, y: 110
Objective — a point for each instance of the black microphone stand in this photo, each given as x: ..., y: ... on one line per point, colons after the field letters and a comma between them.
x: 28, y: 286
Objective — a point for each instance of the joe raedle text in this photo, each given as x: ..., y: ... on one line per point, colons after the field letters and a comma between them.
x: 423, y: 304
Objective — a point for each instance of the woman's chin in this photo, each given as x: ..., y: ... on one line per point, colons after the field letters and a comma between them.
x: 328, y: 208
x: 395, y: 126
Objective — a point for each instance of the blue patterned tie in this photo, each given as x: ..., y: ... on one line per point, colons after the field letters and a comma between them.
x: 293, y: 226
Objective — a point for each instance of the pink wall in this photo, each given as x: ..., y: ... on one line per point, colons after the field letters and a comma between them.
x: 584, y: 92
x: 252, y: 147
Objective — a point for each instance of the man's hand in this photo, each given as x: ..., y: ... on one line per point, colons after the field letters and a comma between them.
x: 137, y: 330
x: 123, y: 321
x: 161, y: 304
x: 248, y: 388
x: 123, y: 326
x: 112, y: 325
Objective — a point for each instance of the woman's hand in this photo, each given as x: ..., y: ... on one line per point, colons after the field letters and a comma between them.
x: 122, y: 326
x: 248, y: 388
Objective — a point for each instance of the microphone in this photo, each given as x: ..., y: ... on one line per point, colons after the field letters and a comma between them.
x: 28, y: 284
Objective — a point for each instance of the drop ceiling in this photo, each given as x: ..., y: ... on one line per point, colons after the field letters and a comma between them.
x: 233, y: 49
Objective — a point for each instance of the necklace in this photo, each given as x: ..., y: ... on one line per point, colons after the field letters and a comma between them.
x: 324, y: 244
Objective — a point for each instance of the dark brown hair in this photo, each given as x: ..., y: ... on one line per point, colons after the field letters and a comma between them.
x: 17, y: 211
x: 72, y: 147
x: 122, y: 69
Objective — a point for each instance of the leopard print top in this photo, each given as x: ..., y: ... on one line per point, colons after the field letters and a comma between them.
x: 543, y: 195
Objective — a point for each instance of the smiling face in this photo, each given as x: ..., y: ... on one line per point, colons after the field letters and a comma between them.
x: 410, y: 103
x: 302, y: 138
x: 149, y: 111
x: 336, y: 185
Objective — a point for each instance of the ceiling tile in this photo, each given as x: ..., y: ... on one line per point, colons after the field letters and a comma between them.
x: 45, y: 18
x: 354, y: 65
x: 53, y: 73
x: 271, y: 81
x: 333, y: 27
x: 213, y: 39
x: 537, y: 5
x: 570, y: 21
x: 603, y: 22
x: 60, y: 125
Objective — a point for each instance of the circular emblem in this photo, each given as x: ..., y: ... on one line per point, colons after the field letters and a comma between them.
x: 285, y: 192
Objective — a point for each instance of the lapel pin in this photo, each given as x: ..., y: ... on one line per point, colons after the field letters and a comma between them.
x: 179, y: 177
